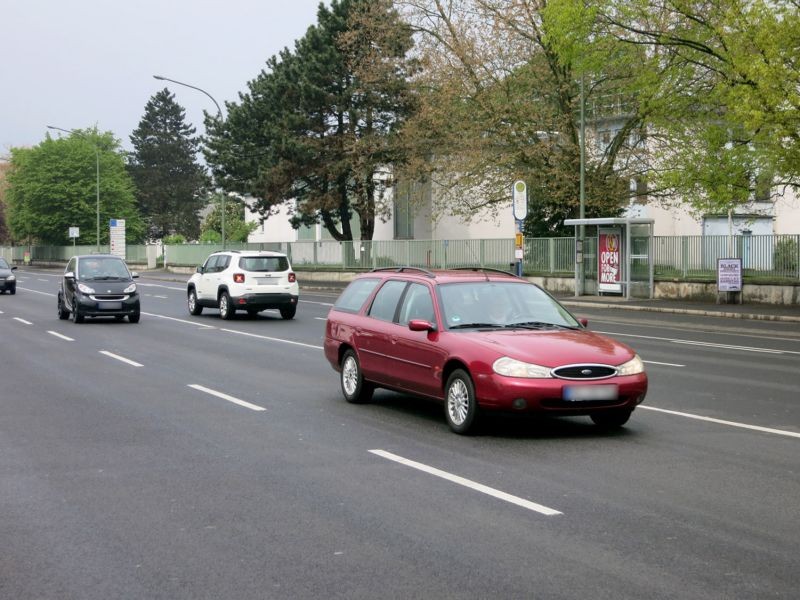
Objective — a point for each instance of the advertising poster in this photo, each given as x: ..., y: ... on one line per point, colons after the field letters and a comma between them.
x: 609, y: 256
x: 729, y: 274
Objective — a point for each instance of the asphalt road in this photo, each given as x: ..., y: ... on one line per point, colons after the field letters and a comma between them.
x: 189, y: 457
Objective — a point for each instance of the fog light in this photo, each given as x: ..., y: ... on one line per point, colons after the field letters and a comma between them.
x: 519, y: 403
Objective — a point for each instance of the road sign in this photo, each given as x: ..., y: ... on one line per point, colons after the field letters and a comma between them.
x: 518, y: 240
x: 117, y: 237
x: 74, y: 232
x: 519, y: 204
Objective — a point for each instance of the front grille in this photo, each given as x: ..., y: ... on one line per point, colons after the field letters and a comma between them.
x: 107, y: 297
x: 584, y: 372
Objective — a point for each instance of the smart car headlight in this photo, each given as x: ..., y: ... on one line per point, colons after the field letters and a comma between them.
x: 85, y: 288
x: 633, y: 367
x: 511, y: 367
x: 11, y: 278
x: 130, y: 289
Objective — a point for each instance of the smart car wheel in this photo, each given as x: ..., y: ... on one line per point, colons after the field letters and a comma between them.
x: 611, y: 419
x: 288, y: 312
x: 194, y: 307
x: 77, y: 317
x: 354, y: 388
x: 460, y: 405
x: 134, y: 318
x: 225, y: 310
x: 13, y: 290
x: 63, y: 313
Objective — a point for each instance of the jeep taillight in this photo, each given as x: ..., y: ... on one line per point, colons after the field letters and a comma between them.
x: 238, y: 277
x: 292, y: 277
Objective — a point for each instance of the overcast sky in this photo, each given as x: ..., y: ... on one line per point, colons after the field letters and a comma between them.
x: 77, y: 63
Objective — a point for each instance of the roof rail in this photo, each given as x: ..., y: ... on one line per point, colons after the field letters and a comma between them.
x: 404, y: 269
x: 485, y: 270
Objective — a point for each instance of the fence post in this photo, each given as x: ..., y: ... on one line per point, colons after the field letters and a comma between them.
x: 551, y: 250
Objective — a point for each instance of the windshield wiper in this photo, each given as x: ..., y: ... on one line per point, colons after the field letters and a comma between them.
x: 476, y: 326
x: 538, y: 325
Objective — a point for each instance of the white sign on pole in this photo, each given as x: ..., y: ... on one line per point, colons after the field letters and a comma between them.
x: 74, y: 232
x: 117, y: 237
x: 519, y: 204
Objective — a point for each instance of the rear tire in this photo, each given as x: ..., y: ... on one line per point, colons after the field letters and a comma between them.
x: 460, y: 404
x: 194, y: 307
x: 288, y: 312
x: 354, y: 388
x: 225, y: 310
x: 611, y: 419
x: 63, y: 313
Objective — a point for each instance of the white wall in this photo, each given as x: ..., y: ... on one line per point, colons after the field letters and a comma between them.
x: 274, y: 229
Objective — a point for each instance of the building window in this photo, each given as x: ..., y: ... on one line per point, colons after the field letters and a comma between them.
x: 404, y: 196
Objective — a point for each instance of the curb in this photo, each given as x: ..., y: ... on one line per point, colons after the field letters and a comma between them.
x: 687, y: 311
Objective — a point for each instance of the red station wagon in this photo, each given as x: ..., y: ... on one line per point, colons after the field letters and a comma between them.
x: 478, y: 340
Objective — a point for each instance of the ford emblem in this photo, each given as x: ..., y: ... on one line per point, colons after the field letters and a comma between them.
x: 586, y: 372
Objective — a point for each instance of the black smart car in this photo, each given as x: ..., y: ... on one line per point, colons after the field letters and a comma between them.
x: 98, y: 285
x: 8, y: 281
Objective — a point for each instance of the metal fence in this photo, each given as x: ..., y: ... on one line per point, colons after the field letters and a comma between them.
x: 772, y: 257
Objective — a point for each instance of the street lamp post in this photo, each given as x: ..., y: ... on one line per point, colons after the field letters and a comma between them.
x: 97, y: 171
x: 219, y: 117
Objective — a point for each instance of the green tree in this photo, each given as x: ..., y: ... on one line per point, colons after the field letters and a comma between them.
x: 237, y: 229
x: 319, y: 124
x: 169, y: 181
x: 53, y: 186
x: 720, y: 82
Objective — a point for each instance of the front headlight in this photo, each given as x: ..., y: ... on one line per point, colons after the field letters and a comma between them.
x: 130, y: 289
x: 633, y: 367
x: 511, y: 367
x: 11, y: 278
x: 85, y: 288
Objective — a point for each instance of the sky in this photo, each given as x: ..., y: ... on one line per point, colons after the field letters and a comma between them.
x: 79, y: 63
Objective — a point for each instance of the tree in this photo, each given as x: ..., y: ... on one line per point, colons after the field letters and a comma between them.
x: 319, y: 124
x: 236, y: 228
x: 723, y: 92
x: 4, y: 168
x: 500, y: 102
x: 170, y: 183
x: 53, y: 186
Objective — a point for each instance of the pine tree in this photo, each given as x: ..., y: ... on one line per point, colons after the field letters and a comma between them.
x: 169, y: 180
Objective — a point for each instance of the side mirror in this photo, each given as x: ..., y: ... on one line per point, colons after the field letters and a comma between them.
x: 584, y: 321
x: 421, y: 325
x: 134, y: 275
x: 199, y: 269
x: 13, y: 268
x: 69, y: 275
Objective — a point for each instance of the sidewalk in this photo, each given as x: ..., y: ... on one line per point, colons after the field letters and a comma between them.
x: 759, y: 312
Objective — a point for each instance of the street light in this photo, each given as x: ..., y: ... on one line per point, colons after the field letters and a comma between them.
x: 97, y: 157
x: 219, y: 117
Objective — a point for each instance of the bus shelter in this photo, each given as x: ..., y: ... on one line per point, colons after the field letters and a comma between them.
x: 619, y: 250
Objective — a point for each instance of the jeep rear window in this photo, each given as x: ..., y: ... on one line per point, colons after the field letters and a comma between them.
x: 354, y: 296
x: 264, y: 263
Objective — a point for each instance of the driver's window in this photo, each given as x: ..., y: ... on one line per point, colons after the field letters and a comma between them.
x: 211, y: 265
x: 417, y: 304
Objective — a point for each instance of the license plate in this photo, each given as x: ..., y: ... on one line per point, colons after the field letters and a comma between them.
x: 109, y: 305
x: 582, y: 393
x: 267, y: 281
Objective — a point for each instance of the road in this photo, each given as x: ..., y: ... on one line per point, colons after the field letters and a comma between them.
x: 189, y: 457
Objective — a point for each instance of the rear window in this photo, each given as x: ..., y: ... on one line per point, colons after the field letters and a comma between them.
x: 354, y: 296
x: 264, y: 264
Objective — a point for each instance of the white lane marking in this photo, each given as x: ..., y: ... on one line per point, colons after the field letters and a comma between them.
x: 58, y: 335
x: 37, y: 292
x: 179, y: 320
x: 1, y: 312
x: 158, y: 285
x: 320, y: 319
x: 128, y: 361
x: 468, y: 483
x: 653, y: 362
x: 45, y: 280
x: 200, y: 388
x: 162, y: 297
x: 273, y: 339
x: 706, y: 344
x: 320, y: 303
x: 723, y: 422
x: 23, y: 321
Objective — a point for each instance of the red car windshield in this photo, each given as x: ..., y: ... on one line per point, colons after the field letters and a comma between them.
x: 501, y: 304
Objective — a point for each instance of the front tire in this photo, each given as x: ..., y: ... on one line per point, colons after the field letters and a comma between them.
x: 354, y: 388
x: 460, y: 404
x: 134, y: 318
x: 611, y: 419
x: 77, y: 317
x: 194, y: 306
x: 288, y: 312
x: 225, y: 310
x: 13, y: 290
